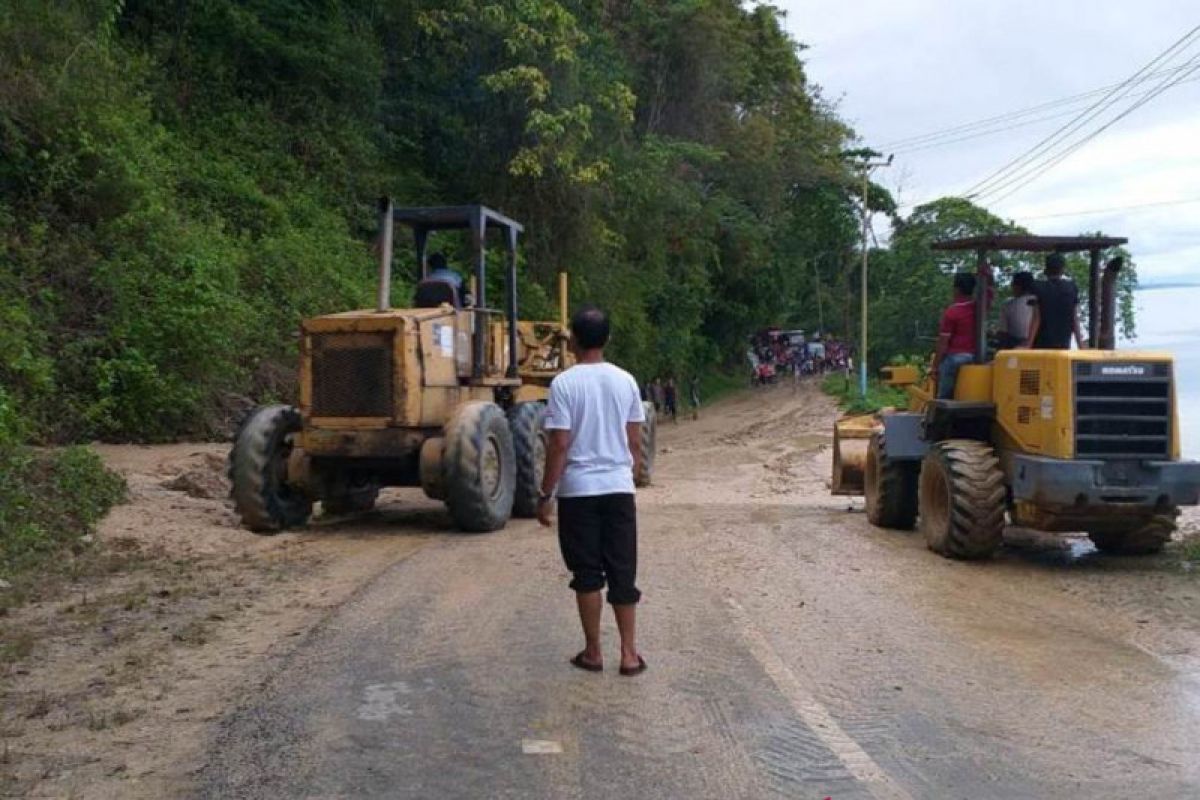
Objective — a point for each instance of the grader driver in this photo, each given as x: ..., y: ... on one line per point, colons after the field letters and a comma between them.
x: 447, y: 395
x: 1053, y: 440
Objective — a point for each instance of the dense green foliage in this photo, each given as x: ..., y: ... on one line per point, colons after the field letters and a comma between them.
x: 182, y: 183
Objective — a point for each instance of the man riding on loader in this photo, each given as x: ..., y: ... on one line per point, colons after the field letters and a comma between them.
x: 1049, y: 439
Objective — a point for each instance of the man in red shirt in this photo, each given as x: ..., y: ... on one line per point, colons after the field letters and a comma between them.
x: 956, y: 336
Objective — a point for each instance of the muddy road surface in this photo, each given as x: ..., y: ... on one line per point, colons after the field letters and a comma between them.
x: 794, y: 651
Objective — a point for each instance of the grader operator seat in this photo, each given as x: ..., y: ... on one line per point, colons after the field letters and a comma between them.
x: 432, y: 293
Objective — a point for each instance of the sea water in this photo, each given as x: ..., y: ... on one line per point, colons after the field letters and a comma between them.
x: 1168, y: 318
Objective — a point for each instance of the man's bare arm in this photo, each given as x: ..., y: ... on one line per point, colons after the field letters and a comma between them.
x: 556, y: 459
x: 633, y: 432
x: 1034, y: 325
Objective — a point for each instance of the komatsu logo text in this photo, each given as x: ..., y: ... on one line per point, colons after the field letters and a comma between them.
x: 1125, y: 369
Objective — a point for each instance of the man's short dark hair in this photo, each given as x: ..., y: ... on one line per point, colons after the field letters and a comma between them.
x: 590, y: 328
x: 1023, y: 281
x: 964, y: 283
x: 1055, y: 264
x: 437, y: 261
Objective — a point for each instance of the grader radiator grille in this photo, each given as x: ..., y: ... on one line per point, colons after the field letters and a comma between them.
x: 1122, y: 410
x: 352, y: 375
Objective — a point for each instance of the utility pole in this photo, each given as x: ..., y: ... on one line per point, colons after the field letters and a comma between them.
x: 866, y: 167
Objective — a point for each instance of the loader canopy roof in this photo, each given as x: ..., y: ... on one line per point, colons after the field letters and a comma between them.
x: 1031, y: 243
x: 1092, y: 245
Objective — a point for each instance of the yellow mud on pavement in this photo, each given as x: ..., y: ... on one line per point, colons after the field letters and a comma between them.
x: 794, y: 651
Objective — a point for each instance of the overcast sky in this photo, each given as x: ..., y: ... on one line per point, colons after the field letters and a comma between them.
x: 902, y: 68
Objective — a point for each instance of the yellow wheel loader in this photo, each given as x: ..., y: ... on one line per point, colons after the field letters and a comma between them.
x: 447, y: 395
x: 1052, y: 440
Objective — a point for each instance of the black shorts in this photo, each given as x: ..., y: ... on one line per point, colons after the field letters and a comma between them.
x: 598, y: 537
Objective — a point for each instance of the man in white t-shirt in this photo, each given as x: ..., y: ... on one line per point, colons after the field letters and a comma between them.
x: 594, y: 420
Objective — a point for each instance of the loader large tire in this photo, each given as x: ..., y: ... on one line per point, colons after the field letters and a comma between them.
x: 889, y: 487
x: 258, y: 472
x: 527, y: 421
x: 648, y: 446
x: 479, y: 467
x: 1147, y: 538
x: 961, y: 497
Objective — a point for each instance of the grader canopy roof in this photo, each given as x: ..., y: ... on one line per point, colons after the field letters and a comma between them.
x: 442, y: 218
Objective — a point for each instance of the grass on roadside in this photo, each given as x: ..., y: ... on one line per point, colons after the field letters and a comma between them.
x: 1189, y: 549
x: 714, y: 386
x: 845, y: 390
x: 50, y: 502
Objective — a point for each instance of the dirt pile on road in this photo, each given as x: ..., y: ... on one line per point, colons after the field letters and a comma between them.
x: 205, y: 478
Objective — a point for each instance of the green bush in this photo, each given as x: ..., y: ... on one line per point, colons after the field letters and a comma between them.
x: 49, y: 500
x: 850, y: 399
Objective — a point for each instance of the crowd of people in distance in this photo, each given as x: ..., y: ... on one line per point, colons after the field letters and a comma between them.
x: 775, y: 353
x: 663, y: 393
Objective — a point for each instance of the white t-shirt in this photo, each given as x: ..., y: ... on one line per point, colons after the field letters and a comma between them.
x: 595, y: 402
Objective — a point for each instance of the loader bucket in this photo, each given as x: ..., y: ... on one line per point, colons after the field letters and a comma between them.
x: 851, y: 436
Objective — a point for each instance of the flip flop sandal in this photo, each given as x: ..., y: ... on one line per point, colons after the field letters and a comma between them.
x: 586, y: 666
x: 629, y: 672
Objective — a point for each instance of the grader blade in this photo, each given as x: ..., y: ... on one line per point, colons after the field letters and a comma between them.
x: 851, y: 437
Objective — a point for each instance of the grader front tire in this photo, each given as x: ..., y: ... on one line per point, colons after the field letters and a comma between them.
x: 889, y: 488
x: 480, y: 470
x: 258, y: 472
x: 528, y: 424
x: 961, y: 498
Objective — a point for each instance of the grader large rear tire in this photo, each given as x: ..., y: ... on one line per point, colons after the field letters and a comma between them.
x: 528, y: 424
x: 889, y: 487
x: 1145, y: 539
x: 648, y: 446
x: 961, y: 498
x: 258, y: 471
x: 479, y: 467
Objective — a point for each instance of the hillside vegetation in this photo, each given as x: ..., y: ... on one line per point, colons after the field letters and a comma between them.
x: 183, y: 183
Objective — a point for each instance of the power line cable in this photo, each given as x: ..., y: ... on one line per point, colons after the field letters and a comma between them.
x: 1029, y: 175
x: 1100, y: 106
x: 1111, y: 209
x: 907, y: 142
x: 993, y: 131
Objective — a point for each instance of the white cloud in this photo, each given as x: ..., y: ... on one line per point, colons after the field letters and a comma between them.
x: 907, y: 68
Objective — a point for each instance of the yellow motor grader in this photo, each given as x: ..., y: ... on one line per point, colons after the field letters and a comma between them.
x: 447, y: 395
x: 1052, y: 440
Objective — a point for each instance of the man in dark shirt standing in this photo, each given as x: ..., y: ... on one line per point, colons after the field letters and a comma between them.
x: 1056, y: 314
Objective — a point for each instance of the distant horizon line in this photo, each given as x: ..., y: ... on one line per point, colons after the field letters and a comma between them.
x: 1170, y: 284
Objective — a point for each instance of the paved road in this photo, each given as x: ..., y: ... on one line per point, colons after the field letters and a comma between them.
x: 794, y: 652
